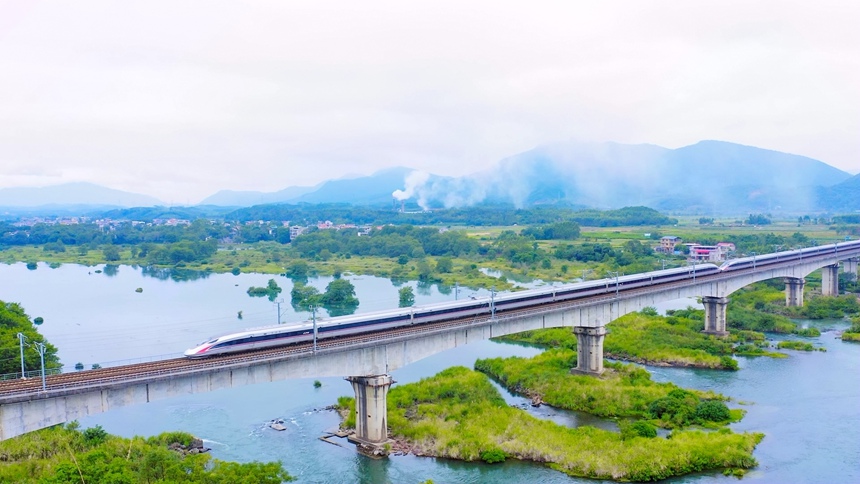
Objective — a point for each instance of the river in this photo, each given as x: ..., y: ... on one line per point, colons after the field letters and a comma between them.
x: 808, y: 405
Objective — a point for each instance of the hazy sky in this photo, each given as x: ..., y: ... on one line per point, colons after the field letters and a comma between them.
x: 179, y: 99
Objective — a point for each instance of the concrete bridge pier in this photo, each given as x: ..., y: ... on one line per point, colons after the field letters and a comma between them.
x: 794, y: 291
x: 371, y: 412
x: 589, y: 350
x: 850, y: 266
x: 715, y: 315
x: 830, y: 280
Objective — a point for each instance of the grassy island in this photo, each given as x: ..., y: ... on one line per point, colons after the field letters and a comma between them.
x: 623, y: 391
x: 64, y: 454
x: 458, y: 414
x: 674, y: 340
x: 798, y: 345
x: 852, y: 333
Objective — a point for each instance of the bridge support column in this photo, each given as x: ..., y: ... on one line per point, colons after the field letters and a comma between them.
x: 589, y: 350
x: 850, y: 266
x: 794, y: 291
x: 371, y: 412
x: 715, y: 315
x: 830, y: 280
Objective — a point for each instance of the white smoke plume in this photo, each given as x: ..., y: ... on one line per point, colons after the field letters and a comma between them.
x: 414, y: 181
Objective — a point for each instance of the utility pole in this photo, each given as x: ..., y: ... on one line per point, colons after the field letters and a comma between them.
x: 456, y: 291
x: 278, y: 305
x: 40, y: 347
x: 21, y: 338
x: 314, y: 317
x: 616, y: 280
x: 493, y: 303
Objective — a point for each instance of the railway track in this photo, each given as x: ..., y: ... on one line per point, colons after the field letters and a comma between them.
x: 177, y: 366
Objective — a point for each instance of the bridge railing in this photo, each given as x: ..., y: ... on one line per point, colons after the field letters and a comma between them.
x: 30, y: 374
x: 70, y: 369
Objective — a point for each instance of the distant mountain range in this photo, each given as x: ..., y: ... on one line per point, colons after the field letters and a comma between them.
x: 79, y: 193
x: 709, y: 177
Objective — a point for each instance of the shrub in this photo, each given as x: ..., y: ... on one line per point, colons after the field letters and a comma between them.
x: 712, y: 411
x: 493, y: 456
x: 95, y: 435
x: 728, y: 363
x: 649, y: 311
x: 638, y: 429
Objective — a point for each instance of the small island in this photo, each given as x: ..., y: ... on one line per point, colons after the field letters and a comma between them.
x: 458, y: 414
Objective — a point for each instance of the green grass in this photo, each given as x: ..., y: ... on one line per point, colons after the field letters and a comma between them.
x: 623, y: 391
x: 854, y: 337
x: 676, y: 340
x: 798, y: 345
x: 458, y: 414
x: 66, y: 455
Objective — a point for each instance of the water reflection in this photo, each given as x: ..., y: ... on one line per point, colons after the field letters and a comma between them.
x: 177, y: 274
x: 371, y: 471
x: 110, y: 270
x: 424, y: 288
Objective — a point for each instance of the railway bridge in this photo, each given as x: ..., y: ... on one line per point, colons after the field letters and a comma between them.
x: 27, y: 405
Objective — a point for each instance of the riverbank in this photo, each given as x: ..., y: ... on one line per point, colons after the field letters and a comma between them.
x: 458, y: 414
x: 271, y: 258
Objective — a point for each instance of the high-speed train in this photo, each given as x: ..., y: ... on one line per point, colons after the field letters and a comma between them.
x: 799, y: 254
x: 286, y: 334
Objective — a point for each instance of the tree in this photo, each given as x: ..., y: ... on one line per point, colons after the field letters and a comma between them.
x: 271, y: 290
x: 111, y: 253
x: 303, y: 297
x: 407, y: 296
x: 14, y: 320
x: 339, y: 298
x: 298, y: 270
x: 444, y: 265
x: 425, y: 272
x: 758, y: 219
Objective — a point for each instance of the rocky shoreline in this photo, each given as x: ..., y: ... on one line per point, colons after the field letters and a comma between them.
x: 195, y: 447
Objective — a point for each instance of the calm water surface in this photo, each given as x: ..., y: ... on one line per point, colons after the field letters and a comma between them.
x: 808, y: 405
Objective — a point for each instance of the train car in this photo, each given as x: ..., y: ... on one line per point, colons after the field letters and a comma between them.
x: 281, y: 335
x: 767, y: 259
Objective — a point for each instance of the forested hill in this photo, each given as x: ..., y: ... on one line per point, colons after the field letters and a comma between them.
x: 486, y: 215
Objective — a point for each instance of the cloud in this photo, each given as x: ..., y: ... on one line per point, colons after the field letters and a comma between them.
x: 292, y: 94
